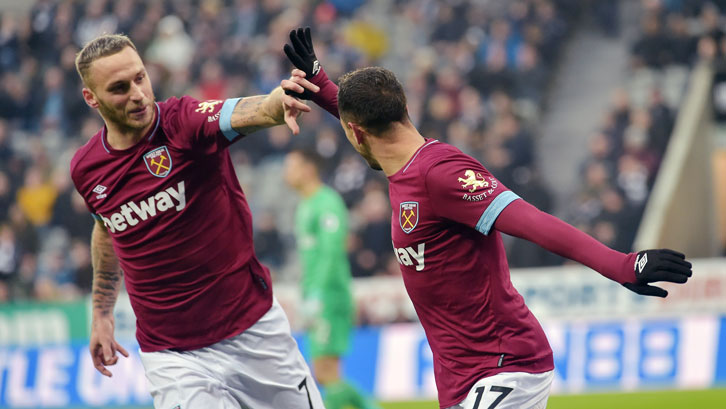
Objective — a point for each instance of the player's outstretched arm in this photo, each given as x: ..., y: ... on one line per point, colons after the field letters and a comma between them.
x: 107, y: 278
x: 635, y: 271
x: 301, y: 54
x: 263, y: 111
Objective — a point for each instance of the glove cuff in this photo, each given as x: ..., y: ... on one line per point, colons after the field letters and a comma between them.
x: 320, y: 78
x: 625, y: 273
x: 327, y: 97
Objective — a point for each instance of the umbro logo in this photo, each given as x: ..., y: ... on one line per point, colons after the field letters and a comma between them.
x: 316, y: 67
x: 640, y: 263
x: 99, y: 189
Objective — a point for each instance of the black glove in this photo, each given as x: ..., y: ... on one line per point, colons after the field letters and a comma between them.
x: 302, y: 56
x: 658, y: 265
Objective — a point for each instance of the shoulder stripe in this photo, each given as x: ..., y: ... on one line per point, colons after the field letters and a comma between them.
x: 225, y: 118
x: 419, y: 151
x: 487, y: 219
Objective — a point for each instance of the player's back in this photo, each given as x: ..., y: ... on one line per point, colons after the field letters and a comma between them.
x: 456, y: 273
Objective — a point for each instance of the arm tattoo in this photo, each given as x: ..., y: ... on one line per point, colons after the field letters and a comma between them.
x: 106, y: 273
x: 254, y: 113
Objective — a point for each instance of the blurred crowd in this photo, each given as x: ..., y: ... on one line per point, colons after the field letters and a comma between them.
x: 626, y: 149
x: 475, y: 73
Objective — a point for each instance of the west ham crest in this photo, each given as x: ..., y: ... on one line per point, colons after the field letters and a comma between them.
x: 158, y: 161
x: 408, y: 216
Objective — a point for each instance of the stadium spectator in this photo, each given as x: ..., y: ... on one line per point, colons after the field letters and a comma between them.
x: 651, y: 49
x: 6, y: 193
x: 9, y: 254
x: 172, y: 49
x: 36, y: 197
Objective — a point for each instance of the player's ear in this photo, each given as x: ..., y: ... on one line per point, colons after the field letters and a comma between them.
x: 89, y: 97
x: 358, y: 132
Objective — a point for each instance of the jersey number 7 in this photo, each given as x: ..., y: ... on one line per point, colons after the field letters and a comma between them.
x: 304, y: 384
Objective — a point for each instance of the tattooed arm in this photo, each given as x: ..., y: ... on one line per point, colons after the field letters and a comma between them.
x: 106, y: 272
x: 107, y: 278
x: 263, y: 111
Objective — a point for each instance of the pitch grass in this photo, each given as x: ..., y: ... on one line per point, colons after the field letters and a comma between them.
x: 692, y: 399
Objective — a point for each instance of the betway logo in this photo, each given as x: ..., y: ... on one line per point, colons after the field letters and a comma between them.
x: 406, y: 256
x: 132, y: 213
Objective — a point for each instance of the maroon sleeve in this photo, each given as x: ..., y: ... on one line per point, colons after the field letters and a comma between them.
x: 462, y: 190
x: 525, y: 221
x: 327, y: 97
x: 202, y: 126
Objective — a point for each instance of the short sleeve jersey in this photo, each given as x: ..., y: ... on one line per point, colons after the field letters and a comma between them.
x: 180, y: 225
x: 455, y: 270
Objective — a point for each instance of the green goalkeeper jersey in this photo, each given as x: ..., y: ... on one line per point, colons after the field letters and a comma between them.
x: 321, y: 230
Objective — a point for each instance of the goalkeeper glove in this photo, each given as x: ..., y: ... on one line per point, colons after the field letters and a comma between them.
x: 302, y: 56
x: 658, y: 265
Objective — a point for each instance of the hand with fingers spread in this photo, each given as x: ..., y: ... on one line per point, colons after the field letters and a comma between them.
x: 103, y: 346
x: 302, y: 56
x: 658, y: 265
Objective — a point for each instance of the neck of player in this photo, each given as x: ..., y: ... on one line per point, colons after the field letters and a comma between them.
x: 308, y: 189
x: 121, y: 138
x: 395, y: 147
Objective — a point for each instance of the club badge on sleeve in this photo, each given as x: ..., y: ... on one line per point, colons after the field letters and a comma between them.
x: 476, y: 183
x: 207, y: 106
x: 408, y: 216
x: 158, y: 161
x: 474, y: 180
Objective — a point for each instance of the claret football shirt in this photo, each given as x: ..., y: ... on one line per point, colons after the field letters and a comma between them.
x: 180, y: 225
x: 455, y: 270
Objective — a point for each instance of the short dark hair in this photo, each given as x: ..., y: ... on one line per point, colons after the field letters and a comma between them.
x: 373, y: 98
x: 102, y: 46
x: 310, y: 156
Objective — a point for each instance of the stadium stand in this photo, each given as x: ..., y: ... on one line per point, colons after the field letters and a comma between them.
x: 477, y: 84
x: 477, y: 75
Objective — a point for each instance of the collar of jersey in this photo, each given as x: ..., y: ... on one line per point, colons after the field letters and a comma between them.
x: 403, y: 170
x: 143, y: 140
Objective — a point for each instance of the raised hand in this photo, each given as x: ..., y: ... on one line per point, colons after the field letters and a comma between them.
x: 302, y: 56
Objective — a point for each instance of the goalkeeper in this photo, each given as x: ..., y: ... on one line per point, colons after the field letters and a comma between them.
x: 321, y: 229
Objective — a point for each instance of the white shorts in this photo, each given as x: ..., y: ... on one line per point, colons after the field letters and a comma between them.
x: 261, y: 368
x: 509, y: 390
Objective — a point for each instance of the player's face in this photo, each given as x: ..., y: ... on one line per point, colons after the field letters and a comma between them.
x: 362, y: 148
x: 121, y: 90
x: 292, y: 169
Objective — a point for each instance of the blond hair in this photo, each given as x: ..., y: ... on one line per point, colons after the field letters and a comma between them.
x: 103, y: 46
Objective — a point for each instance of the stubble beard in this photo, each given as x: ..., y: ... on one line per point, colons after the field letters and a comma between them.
x: 122, y: 121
